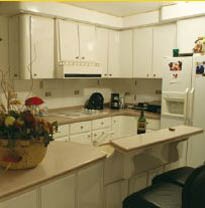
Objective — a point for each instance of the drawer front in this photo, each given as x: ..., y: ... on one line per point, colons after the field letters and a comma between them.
x: 101, y: 136
x: 78, y: 128
x: 102, y: 123
x: 82, y: 138
x: 62, y: 139
x: 63, y: 131
x: 153, y: 124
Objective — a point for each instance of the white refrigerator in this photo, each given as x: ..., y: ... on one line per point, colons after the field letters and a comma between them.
x: 183, y: 100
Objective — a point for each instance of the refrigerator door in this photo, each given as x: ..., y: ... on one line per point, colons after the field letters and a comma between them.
x: 177, y: 74
x: 196, y: 150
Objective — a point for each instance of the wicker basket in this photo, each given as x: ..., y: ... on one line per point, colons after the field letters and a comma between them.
x: 31, y: 153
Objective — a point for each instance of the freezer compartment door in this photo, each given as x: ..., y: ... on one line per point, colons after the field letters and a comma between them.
x: 177, y: 74
x: 175, y: 104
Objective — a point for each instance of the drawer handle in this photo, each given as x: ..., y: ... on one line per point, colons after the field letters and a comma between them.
x: 89, y: 136
x: 81, y: 127
x: 102, y: 123
x: 95, y: 135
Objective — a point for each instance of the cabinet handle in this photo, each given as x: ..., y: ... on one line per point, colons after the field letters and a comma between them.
x: 81, y: 127
x: 15, y: 75
x: 34, y: 75
x: 1, y: 39
x: 110, y: 74
x: 147, y: 75
x: 77, y: 57
x: 83, y: 57
x: 154, y: 75
x: 102, y: 123
x: 95, y: 135
x: 105, y: 75
x: 89, y: 136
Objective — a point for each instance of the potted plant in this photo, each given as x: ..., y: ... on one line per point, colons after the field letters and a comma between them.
x: 24, y: 137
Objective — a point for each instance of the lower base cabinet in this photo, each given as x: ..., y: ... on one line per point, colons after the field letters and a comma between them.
x: 90, y: 187
x: 26, y: 200
x: 60, y: 193
x: 115, y: 194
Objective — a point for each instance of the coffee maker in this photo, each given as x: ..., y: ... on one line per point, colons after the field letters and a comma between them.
x: 115, y: 101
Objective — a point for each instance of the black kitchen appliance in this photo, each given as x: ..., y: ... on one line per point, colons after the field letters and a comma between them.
x: 115, y: 101
x: 95, y: 102
x: 154, y: 107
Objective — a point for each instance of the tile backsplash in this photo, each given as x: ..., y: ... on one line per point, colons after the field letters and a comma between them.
x: 62, y: 93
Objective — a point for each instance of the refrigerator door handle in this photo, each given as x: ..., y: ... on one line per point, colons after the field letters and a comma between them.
x: 191, y: 104
x: 186, y: 105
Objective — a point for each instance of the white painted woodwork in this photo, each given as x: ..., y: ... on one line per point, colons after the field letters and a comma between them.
x: 153, y: 124
x: 85, y: 138
x: 42, y: 47
x: 126, y: 45
x: 78, y: 128
x: 68, y: 40
x: 114, y: 54
x: 101, y: 123
x: 28, y: 199
x: 90, y: 187
x: 115, y: 194
x: 102, y: 49
x: 63, y: 131
x: 188, y: 31
x: 138, y: 182
x: 116, y: 120
x: 153, y: 173
x: 4, y: 43
x: 142, y: 53
x: 164, y: 40
x: 59, y: 193
x: 101, y: 136
x: 87, y: 42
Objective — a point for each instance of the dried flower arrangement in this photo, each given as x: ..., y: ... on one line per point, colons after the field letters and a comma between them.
x: 21, y: 130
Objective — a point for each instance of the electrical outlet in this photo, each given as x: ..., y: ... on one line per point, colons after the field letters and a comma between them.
x: 158, y: 92
x: 76, y: 92
x: 48, y: 94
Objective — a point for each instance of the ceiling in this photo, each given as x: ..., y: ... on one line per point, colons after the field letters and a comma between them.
x: 120, y: 9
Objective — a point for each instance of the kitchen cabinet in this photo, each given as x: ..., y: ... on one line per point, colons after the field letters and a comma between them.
x: 114, y: 54
x: 85, y: 138
x: 125, y: 57
x: 101, y: 123
x: 75, y: 41
x: 164, y: 40
x: 153, y: 173
x: 60, y: 193
x: 137, y: 183
x: 90, y: 186
x: 78, y: 128
x: 188, y: 31
x: 68, y: 40
x: 142, y: 53
x: 28, y: 199
x: 4, y: 43
x: 33, y: 54
x: 115, y: 193
x: 63, y: 133
x: 101, y: 136
x: 102, y: 49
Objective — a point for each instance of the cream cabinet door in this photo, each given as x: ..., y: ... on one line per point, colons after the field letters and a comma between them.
x: 115, y: 193
x: 42, y: 47
x: 164, y: 40
x: 126, y: 44
x: 87, y: 42
x: 188, y: 31
x: 85, y: 138
x: 90, y: 186
x: 26, y: 200
x: 142, y: 53
x: 60, y: 193
x: 68, y: 40
x: 102, y: 49
x: 4, y: 43
x: 114, y: 54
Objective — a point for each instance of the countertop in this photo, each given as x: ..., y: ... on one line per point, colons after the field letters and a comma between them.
x: 60, y: 159
x: 156, y: 137
x: 107, y: 112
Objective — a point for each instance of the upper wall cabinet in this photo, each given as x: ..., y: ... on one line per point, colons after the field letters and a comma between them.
x: 75, y: 41
x: 164, y: 40
x: 142, y: 53
x: 31, y: 48
x: 188, y: 31
x: 126, y: 44
x: 113, y: 54
x: 102, y: 49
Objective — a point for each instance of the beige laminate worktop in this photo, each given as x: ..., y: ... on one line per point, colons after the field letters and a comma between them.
x: 53, y: 115
x: 142, y: 141
x: 61, y: 158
